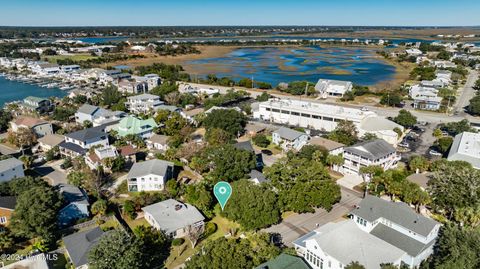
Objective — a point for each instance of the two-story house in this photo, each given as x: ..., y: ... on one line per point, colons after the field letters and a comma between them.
x: 134, y: 126
x: 78, y: 143
x: 143, y: 103
x: 39, y: 127
x: 37, y: 104
x: 378, y: 232
x: 7, y: 206
x: 174, y: 218
x: 97, y: 115
x: 289, y: 139
x: 11, y: 168
x: 150, y: 175
x: 375, y: 152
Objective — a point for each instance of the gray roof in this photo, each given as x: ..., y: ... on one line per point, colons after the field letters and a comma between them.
x: 87, y: 134
x: 79, y: 244
x: 8, y: 202
x: 372, y: 150
x: 372, y: 208
x: 159, y: 139
x: 254, y: 174
x: 72, y: 147
x: 73, y: 194
x: 245, y: 145
x: 346, y: 242
x: 289, y: 134
x: 87, y: 109
x: 143, y: 96
x: 155, y: 166
x: 285, y: 261
x: 172, y: 215
x: 401, y: 241
x: 466, y: 147
x: 9, y: 164
x: 326, y: 143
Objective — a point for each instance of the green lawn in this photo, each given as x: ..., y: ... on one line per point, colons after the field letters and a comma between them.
x: 60, y: 263
x: 137, y: 222
x: 75, y: 57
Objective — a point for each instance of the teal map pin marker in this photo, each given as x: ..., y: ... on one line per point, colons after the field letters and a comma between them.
x: 222, y: 191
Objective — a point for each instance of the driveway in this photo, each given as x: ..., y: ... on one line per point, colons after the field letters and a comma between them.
x: 52, y: 172
x: 349, y: 181
x: 297, y: 225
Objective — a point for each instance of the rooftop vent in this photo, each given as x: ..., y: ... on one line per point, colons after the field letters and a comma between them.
x: 178, y: 207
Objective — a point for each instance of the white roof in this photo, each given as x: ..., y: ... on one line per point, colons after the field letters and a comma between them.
x: 335, y: 111
x: 172, y: 215
x: 466, y: 147
x: 346, y: 242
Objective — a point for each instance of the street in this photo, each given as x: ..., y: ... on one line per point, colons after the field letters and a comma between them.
x: 297, y: 225
x: 467, y: 93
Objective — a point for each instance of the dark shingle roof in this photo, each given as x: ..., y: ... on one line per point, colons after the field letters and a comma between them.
x: 401, y: 241
x: 72, y: 147
x: 258, y: 175
x: 8, y: 202
x: 79, y: 244
x: 285, y: 261
x: 73, y: 194
x: 372, y: 150
x: 87, y: 134
x: 372, y: 208
x: 245, y: 145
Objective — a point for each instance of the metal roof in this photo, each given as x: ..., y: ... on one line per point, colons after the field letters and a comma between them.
x: 155, y: 166
x: 374, y: 149
x: 79, y: 244
x: 288, y: 133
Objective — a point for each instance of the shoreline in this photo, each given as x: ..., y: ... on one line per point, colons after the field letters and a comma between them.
x: 218, y: 51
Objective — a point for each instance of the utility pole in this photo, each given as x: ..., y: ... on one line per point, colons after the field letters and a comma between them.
x: 448, y: 105
x: 306, y: 89
x: 252, y: 82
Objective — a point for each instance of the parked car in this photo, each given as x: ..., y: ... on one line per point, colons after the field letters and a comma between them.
x: 267, y: 152
x: 435, y: 153
x: 404, y: 145
x: 364, y: 108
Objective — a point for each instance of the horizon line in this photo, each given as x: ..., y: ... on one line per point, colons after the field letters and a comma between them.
x: 239, y: 25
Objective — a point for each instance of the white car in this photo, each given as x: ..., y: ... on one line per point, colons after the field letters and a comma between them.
x: 364, y: 108
x: 404, y: 145
x: 435, y: 153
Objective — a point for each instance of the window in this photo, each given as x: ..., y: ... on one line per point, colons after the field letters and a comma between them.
x: 275, y: 110
x: 268, y: 109
x: 3, y: 220
x: 327, y: 119
x: 316, y: 117
x: 295, y: 113
x: 306, y: 115
x: 285, y: 112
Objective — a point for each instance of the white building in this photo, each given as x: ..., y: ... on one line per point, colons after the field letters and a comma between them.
x: 289, y: 139
x: 414, y: 52
x: 151, y: 81
x: 149, y: 175
x: 333, y: 88
x: 199, y: 90
x: 38, y: 126
x: 374, y: 152
x: 444, y: 64
x: 132, y: 86
x: 143, y: 103
x: 96, y: 158
x: 174, y: 218
x: 10, y: 169
x: 325, y: 117
x: 158, y: 142
x: 466, y: 147
x: 425, y: 97
x: 378, y: 232
x: 78, y: 143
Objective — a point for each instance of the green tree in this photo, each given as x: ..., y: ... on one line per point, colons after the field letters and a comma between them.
x: 334, y: 160
x: 228, y: 120
x: 164, y: 89
x: 36, y: 219
x: 155, y: 245
x: 302, y: 184
x: 99, y: 207
x: 5, y: 118
x: 7, y: 242
x: 391, y: 99
x: 419, y: 163
x: 346, y: 133
x: 110, y: 96
x: 200, y: 195
x: 354, y: 265
x: 224, y: 253
x: 405, y: 118
x: 76, y: 178
x: 261, y: 140
x: 27, y: 161
x: 252, y: 206
x: 369, y: 137
x: 454, y: 128
x: 117, y: 249
x: 444, y: 143
x: 19, y: 185
x: 216, y: 136
x: 263, y: 97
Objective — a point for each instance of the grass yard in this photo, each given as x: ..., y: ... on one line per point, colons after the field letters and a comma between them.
x: 75, y: 57
x: 136, y: 222
x: 60, y: 263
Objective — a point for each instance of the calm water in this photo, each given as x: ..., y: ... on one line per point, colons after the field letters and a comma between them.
x: 13, y: 91
x: 278, y: 64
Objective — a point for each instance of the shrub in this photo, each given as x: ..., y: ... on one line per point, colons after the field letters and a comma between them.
x: 210, y: 229
x: 178, y: 241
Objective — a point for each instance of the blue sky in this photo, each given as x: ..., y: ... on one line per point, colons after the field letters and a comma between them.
x: 239, y: 12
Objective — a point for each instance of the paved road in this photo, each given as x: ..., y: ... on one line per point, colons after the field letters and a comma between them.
x: 7, y: 150
x: 467, y: 93
x: 53, y: 172
x: 299, y: 224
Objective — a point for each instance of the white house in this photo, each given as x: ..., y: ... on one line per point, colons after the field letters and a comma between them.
x: 325, y: 117
x: 78, y: 143
x: 38, y: 126
x: 10, y: 169
x: 50, y: 141
x: 97, y: 116
x: 374, y: 152
x: 413, y: 52
x: 378, y: 232
x: 132, y: 86
x: 174, y: 218
x: 96, y: 158
x: 143, y: 103
x: 425, y: 97
x: 151, y: 81
x: 149, y: 175
x: 333, y: 88
x: 444, y: 64
x: 289, y: 139
x: 466, y: 147
x: 158, y: 142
